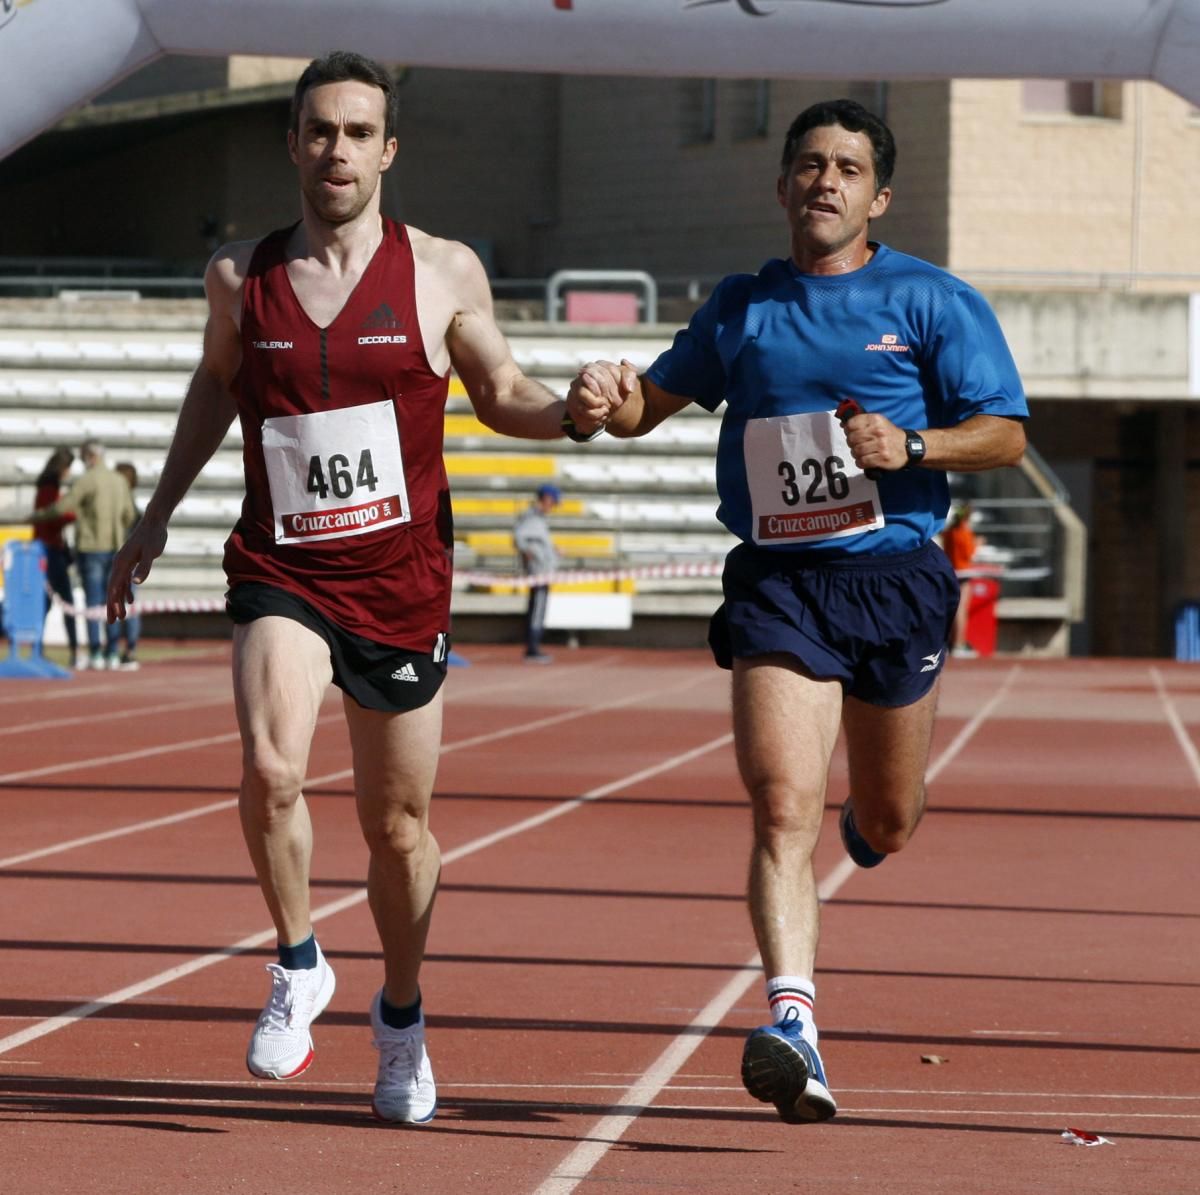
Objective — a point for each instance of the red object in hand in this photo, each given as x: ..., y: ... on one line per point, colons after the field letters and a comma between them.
x: 847, y: 409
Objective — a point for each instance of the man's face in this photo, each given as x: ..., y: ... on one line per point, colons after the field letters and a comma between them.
x: 340, y: 148
x: 829, y: 191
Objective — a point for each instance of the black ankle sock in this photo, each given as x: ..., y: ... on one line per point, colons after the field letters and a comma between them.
x: 301, y: 957
x: 399, y: 1018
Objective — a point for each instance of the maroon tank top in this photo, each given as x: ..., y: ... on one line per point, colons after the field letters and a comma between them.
x: 347, y: 503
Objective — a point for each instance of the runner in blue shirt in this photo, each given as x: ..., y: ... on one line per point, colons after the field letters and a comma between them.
x: 853, y: 377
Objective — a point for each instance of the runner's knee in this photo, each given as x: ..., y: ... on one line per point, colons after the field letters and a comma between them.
x: 783, y: 817
x: 890, y: 828
x: 399, y: 835
x: 271, y: 783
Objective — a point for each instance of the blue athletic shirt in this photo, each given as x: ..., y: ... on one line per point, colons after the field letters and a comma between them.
x: 899, y: 336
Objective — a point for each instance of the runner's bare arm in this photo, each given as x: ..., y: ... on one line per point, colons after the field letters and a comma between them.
x: 978, y: 443
x: 207, y: 411
x: 503, y: 397
x: 629, y: 405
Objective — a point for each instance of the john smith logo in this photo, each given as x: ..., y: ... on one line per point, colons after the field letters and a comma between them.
x: 889, y: 342
x: 759, y: 8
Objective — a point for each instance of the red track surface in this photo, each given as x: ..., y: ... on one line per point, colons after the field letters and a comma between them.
x: 587, y: 988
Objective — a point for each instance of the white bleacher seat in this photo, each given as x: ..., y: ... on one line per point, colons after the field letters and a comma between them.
x: 223, y: 470
x: 692, y: 432
x: 12, y: 349
x: 172, y: 388
x: 146, y: 350
x: 15, y: 425
x: 70, y: 388
x: 585, y: 472
x: 219, y: 508
x: 101, y: 350
x: 564, y: 360
x: 695, y: 473
x: 185, y: 351
x: 124, y: 390
x: 31, y: 386
x: 56, y: 350
x: 146, y: 427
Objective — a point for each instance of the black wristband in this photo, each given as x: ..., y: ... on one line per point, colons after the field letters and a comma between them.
x: 573, y: 433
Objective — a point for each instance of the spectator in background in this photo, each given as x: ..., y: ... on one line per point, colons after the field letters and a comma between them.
x: 50, y: 534
x: 102, y: 506
x: 131, y: 624
x: 531, y: 534
x: 960, y: 544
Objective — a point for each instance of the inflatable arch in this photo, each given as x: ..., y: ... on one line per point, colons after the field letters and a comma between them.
x: 56, y: 54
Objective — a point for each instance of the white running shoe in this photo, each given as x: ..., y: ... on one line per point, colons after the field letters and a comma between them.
x: 404, y: 1087
x: 281, y: 1046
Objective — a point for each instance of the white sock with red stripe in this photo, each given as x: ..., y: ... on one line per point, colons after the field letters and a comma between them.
x: 792, y: 996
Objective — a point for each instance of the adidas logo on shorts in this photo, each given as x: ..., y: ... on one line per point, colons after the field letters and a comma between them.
x: 408, y: 672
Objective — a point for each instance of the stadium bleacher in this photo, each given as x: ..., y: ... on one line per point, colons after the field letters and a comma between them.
x: 628, y: 504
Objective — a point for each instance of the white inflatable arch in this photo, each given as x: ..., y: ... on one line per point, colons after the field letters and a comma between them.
x: 56, y: 54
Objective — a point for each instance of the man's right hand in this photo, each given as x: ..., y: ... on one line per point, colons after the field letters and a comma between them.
x: 598, y: 391
x: 131, y: 565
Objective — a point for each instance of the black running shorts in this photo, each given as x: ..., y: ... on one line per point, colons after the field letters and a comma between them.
x: 377, y: 675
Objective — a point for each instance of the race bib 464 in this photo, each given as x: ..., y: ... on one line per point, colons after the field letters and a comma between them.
x: 335, y: 473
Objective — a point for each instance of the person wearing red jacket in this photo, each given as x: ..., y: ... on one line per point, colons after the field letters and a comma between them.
x: 50, y: 534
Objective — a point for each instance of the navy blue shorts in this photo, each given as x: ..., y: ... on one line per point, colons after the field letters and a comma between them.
x: 878, y: 624
x: 376, y: 675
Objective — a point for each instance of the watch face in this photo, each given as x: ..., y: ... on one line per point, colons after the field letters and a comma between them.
x: 914, y: 446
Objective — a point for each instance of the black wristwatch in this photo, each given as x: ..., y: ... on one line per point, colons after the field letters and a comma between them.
x: 915, y: 447
x: 573, y: 433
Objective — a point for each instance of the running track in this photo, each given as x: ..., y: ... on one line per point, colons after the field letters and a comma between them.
x: 591, y: 971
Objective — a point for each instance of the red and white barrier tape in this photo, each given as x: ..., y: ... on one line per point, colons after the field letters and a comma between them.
x: 655, y: 572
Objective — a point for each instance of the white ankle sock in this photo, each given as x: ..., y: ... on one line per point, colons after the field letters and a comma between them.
x: 786, y: 993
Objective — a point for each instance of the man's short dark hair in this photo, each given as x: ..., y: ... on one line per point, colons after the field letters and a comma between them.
x: 854, y: 118
x: 343, y: 66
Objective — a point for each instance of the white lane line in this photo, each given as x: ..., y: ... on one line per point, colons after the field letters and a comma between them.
x: 111, y: 715
x: 580, y: 1162
x: 1016, y: 1033
x: 961, y: 739
x: 83, y: 1011
x: 1176, y: 723
x: 540, y: 819
x: 121, y: 832
x: 310, y: 782
x: 99, y: 761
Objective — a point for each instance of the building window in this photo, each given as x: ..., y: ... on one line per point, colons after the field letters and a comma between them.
x: 1072, y: 97
x: 698, y: 111
x: 748, y: 102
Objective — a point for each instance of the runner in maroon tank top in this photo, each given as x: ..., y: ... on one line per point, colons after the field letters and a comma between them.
x: 332, y: 341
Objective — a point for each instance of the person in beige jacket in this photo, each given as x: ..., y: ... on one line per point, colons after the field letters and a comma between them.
x: 103, y: 508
